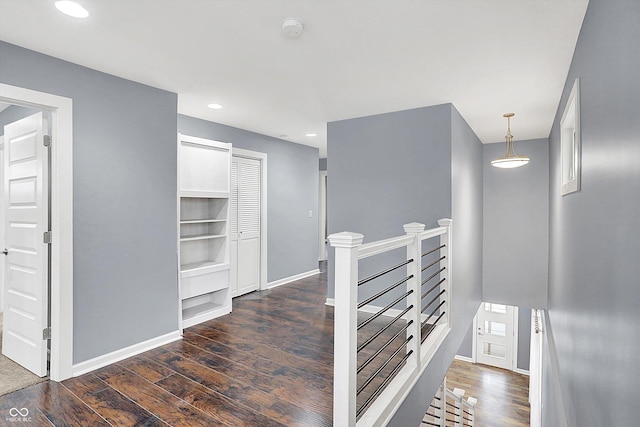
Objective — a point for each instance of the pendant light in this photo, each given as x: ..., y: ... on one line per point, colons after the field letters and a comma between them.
x: 510, y: 159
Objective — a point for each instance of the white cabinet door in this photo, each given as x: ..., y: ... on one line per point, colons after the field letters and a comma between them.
x: 27, y: 257
x: 245, y: 225
x: 494, y: 343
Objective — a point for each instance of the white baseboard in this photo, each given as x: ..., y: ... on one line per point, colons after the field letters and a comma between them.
x: 521, y: 371
x: 290, y: 279
x: 123, y: 353
x: 463, y: 358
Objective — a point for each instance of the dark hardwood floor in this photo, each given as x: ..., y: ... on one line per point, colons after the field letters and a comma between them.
x: 268, y: 363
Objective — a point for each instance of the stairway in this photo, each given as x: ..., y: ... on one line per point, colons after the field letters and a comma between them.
x: 457, y: 410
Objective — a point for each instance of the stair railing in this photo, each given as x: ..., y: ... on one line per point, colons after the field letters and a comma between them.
x: 369, y: 394
x: 449, y: 408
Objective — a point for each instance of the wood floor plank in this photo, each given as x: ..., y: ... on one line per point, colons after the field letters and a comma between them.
x: 85, y: 385
x: 120, y: 411
x: 249, y: 338
x: 8, y: 416
x: 109, y: 371
x: 267, y: 404
x: 268, y: 366
x: 146, y: 368
x: 216, y: 404
x: 61, y: 407
x: 322, y: 368
x: 283, y: 387
x: 160, y: 402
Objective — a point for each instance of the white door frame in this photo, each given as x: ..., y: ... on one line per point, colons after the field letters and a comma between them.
x: 61, y: 260
x: 322, y: 217
x: 262, y: 158
x: 514, y: 358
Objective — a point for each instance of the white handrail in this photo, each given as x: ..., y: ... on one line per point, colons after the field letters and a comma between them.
x: 348, y: 250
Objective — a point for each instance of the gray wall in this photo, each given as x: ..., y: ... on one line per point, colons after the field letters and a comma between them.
x: 515, y: 236
x: 124, y: 200
x: 524, y: 338
x: 416, y: 165
x: 466, y: 199
x: 516, y: 214
x: 292, y: 191
x: 594, y: 297
x: 388, y: 170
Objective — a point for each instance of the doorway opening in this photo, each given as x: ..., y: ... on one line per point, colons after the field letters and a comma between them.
x: 322, y: 218
x: 61, y: 221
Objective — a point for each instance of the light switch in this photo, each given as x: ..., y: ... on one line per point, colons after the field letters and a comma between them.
x: 310, y: 214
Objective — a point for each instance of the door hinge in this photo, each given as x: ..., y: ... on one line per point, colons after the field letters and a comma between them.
x: 46, y: 333
x: 47, y: 237
x: 47, y: 141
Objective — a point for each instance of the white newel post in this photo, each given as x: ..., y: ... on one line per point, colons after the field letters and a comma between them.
x: 446, y: 239
x: 458, y: 397
x: 471, y: 404
x: 442, y: 412
x: 345, y: 323
x: 414, y: 284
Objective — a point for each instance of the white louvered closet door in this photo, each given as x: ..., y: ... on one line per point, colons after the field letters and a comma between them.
x: 245, y: 225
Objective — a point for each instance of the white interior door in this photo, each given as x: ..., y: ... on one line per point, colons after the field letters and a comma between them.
x: 245, y: 225
x: 2, y: 221
x: 27, y: 256
x: 495, y: 335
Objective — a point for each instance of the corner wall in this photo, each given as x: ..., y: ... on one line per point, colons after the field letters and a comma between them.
x: 417, y: 165
x: 124, y: 197
x: 292, y: 192
x: 594, y: 297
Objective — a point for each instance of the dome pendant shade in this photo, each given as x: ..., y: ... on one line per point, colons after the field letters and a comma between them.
x: 510, y: 159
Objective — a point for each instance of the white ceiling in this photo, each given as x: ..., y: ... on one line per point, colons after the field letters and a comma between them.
x: 355, y: 57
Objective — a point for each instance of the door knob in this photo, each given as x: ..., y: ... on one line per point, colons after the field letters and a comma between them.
x: 5, y: 252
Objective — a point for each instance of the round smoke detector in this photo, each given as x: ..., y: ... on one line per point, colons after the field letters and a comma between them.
x: 292, y: 28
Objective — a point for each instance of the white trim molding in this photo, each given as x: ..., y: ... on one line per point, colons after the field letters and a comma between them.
x: 61, y: 276
x: 124, y: 353
x: 293, y: 278
x: 463, y: 358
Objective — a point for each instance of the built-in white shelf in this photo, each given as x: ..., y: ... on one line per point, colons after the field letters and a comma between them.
x: 202, y: 237
x: 202, y: 221
x: 205, y: 194
x: 187, y: 270
x: 203, y: 204
x: 203, y: 312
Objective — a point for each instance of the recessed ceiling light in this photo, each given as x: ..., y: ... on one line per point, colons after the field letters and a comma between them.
x: 312, y: 134
x: 214, y: 106
x: 72, y: 8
